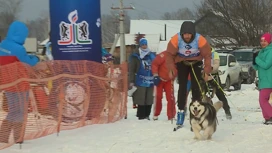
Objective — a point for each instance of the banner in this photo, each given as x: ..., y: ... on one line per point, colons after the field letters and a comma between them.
x: 75, y: 29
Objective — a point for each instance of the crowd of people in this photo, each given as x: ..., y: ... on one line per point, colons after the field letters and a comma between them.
x: 188, y: 58
x: 194, y: 63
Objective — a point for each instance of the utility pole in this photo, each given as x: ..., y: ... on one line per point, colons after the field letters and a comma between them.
x: 123, y: 54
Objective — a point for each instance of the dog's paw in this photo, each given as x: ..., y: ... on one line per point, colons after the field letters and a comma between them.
x: 198, y: 137
x: 207, y: 137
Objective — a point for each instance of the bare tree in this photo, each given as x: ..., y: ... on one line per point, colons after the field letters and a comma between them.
x: 38, y: 28
x: 9, y: 11
x: 167, y: 16
x: 243, y: 20
x: 180, y: 14
x: 110, y: 25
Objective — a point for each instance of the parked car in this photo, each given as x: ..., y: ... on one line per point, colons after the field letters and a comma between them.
x: 230, y: 71
x: 223, y: 51
x: 245, y: 57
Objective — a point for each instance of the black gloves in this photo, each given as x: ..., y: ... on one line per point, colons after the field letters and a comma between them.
x: 156, y: 80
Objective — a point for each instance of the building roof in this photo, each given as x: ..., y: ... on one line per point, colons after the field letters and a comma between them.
x: 165, y: 28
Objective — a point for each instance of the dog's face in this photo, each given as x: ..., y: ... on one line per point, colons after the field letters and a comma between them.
x: 197, y: 108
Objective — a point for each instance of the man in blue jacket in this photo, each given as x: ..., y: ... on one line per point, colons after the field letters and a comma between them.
x: 13, y: 46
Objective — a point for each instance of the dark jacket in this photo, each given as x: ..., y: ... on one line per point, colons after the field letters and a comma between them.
x: 143, y: 95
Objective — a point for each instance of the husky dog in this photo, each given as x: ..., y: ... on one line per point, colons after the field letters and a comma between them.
x: 203, y: 117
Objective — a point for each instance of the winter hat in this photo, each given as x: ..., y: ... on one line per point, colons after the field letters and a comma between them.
x: 188, y: 27
x: 142, y: 42
x: 107, y: 58
x: 267, y: 37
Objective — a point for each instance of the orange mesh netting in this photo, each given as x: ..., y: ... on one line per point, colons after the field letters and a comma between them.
x: 58, y: 95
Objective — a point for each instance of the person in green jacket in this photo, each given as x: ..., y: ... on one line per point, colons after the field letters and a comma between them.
x: 262, y: 62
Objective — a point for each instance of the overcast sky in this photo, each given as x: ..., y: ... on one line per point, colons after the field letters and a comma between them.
x: 155, y: 8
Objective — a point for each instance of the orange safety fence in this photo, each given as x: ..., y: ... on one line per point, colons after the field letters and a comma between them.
x: 59, y: 95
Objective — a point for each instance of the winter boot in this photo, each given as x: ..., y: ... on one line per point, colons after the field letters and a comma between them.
x: 268, y: 122
x: 228, y: 115
x: 155, y: 118
x: 180, y: 117
x: 148, y: 118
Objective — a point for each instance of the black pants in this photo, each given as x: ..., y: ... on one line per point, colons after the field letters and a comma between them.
x: 183, y: 73
x: 219, y: 93
x: 143, y: 111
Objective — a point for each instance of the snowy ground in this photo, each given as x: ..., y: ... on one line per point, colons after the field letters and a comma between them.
x: 245, y: 133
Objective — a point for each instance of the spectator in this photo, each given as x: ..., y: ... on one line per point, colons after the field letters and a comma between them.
x: 141, y: 77
x: 263, y: 64
x: 17, y: 97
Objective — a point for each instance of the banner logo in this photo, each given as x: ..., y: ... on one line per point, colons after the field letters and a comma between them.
x: 74, y: 33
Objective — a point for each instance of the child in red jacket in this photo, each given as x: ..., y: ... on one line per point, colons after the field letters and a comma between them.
x: 165, y: 84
